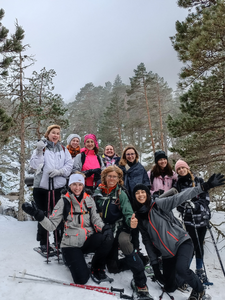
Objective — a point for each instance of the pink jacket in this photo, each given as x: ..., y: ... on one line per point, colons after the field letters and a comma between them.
x: 160, y: 183
x: 91, y: 162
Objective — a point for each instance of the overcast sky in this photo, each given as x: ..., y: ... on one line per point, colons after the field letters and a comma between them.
x: 94, y: 40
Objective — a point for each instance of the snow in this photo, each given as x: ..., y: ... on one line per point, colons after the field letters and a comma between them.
x: 17, y: 239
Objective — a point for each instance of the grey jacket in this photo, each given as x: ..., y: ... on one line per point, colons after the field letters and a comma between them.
x: 162, y: 230
x: 78, y: 227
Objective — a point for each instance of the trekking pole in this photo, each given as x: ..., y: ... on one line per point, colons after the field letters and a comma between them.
x: 196, y: 233
x: 48, y: 214
x: 53, y: 203
x: 214, y: 243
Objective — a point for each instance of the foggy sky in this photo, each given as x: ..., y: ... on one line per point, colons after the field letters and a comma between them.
x: 94, y: 40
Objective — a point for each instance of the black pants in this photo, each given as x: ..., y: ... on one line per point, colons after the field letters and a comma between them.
x: 41, y: 200
x: 201, y: 231
x: 74, y: 257
x: 179, y: 265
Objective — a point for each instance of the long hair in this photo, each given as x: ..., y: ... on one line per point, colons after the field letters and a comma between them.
x: 156, y: 170
x: 109, y: 169
x: 123, y: 160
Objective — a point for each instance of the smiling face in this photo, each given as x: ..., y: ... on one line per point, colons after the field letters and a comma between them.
x: 54, y: 135
x: 162, y: 162
x: 111, y: 179
x: 75, y: 142
x: 109, y: 151
x: 130, y: 155
x: 89, y: 144
x: 141, y: 196
x: 76, y: 188
x: 182, y: 171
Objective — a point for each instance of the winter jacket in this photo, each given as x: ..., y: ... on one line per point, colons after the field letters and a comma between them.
x: 134, y: 175
x: 201, y: 212
x: 91, y: 162
x: 110, y: 161
x: 81, y: 223
x: 161, y: 228
x: 114, y: 207
x: 52, y: 157
x: 162, y: 183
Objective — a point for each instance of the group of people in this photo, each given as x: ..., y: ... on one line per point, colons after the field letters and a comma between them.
x: 108, y: 201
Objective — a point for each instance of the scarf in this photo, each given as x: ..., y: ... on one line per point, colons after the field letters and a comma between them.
x: 106, y: 190
x: 109, y: 161
x: 73, y: 151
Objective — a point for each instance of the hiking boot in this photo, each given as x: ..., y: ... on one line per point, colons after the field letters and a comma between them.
x: 99, y: 274
x: 202, y: 276
x: 140, y: 293
x: 184, y: 288
x: 196, y: 295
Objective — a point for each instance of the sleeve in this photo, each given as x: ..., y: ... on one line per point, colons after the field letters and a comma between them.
x: 55, y: 218
x: 146, y: 180
x: 102, y: 164
x: 95, y: 218
x: 77, y: 165
x: 126, y: 207
x: 36, y: 160
x: 68, y: 164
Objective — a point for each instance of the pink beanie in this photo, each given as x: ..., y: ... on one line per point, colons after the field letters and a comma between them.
x: 181, y: 163
x: 93, y: 137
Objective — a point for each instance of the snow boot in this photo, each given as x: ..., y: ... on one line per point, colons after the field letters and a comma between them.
x: 98, y: 276
x: 199, y: 296
x: 202, y: 276
x: 140, y: 293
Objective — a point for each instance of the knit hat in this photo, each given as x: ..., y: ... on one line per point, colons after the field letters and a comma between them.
x: 50, y: 128
x: 72, y: 136
x: 76, y: 178
x: 181, y: 163
x: 140, y: 186
x: 160, y: 154
x: 93, y: 137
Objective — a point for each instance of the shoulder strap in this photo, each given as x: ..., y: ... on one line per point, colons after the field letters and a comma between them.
x: 99, y: 160
x: 66, y: 209
x: 151, y: 177
x: 83, y: 156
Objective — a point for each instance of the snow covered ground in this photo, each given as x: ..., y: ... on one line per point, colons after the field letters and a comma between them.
x: 17, y: 239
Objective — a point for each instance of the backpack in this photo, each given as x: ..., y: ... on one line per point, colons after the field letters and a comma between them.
x: 67, y: 208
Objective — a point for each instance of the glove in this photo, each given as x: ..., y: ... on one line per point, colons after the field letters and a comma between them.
x: 55, y: 172
x: 97, y: 171
x: 107, y: 232
x: 214, y: 180
x: 33, y: 211
x: 40, y: 146
x: 158, y: 274
x: 88, y: 173
x: 97, y: 177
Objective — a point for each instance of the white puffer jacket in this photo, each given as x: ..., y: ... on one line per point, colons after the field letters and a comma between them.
x: 52, y: 157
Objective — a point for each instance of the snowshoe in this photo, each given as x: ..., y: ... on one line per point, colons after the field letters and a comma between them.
x: 202, y: 276
x: 43, y: 251
x: 140, y: 293
x: 98, y: 276
x: 199, y: 296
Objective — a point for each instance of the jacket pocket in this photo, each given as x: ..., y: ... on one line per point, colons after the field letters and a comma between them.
x: 172, y: 236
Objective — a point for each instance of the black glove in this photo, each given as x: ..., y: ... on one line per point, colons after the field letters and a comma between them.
x: 88, y: 173
x: 33, y: 211
x: 97, y: 171
x: 107, y: 232
x: 97, y: 177
x: 214, y: 180
x: 158, y: 274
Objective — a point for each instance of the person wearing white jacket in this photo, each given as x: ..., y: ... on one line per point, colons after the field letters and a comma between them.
x: 53, y: 164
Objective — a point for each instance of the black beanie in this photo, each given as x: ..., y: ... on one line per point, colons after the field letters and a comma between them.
x: 160, y: 154
x: 140, y: 186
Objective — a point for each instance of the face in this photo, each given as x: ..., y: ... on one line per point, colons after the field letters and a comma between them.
x: 75, y: 142
x: 54, y: 135
x: 141, y: 196
x: 76, y: 188
x: 182, y: 171
x: 109, y: 151
x: 89, y: 144
x: 162, y: 162
x: 130, y: 155
x: 112, y: 179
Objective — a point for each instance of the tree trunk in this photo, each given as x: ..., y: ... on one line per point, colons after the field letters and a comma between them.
x: 160, y: 116
x: 149, y: 118
x: 22, y: 148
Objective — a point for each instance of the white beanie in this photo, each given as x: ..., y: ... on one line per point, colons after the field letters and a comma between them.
x: 72, y: 136
x: 76, y: 178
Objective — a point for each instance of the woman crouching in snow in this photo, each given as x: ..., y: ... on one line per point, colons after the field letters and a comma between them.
x: 84, y: 231
x: 160, y: 228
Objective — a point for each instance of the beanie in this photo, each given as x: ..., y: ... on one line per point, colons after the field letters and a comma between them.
x: 72, y: 136
x: 181, y: 163
x: 92, y: 137
x: 76, y: 178
x: 140, y: 186
x: 160, y: 154
x: 50, y: 128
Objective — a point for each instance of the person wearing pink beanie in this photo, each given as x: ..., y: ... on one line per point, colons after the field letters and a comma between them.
x: 181, y: 163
